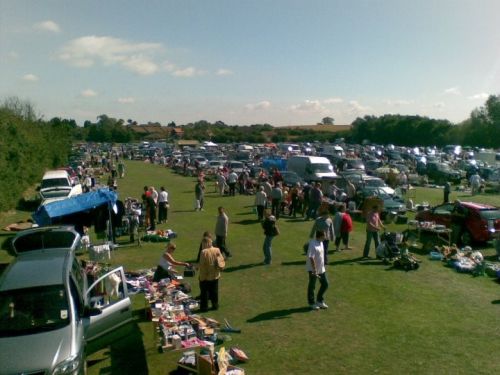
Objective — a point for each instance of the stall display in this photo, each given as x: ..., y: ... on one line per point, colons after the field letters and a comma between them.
x: 428, y: 234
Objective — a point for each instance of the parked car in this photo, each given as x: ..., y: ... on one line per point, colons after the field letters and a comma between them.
x: 392, y: 204
x: 236, y: 166
x: 290, y: 178
x: 442, y: 172
x: 58, y: 185
x: 48, y: 312
x: 478, y: 222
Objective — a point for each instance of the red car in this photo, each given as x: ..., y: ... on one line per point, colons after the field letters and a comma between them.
x: 476, y: 222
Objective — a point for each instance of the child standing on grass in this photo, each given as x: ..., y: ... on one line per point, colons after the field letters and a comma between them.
x: 316, y: 269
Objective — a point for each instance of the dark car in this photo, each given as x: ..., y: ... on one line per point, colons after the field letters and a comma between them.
x: 290, y: 178
x: 392, y: 204
x: 474, y: 222
x: 442, y: 172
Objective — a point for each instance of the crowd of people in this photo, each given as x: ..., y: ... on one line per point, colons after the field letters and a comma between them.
x: 331, y: 224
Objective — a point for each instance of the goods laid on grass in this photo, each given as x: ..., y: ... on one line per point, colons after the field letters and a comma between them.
x: 159, y: 236
x: 465, y: 260
x: 169, y: 307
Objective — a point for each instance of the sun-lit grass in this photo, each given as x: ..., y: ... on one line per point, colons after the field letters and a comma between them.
x: 429, y: 321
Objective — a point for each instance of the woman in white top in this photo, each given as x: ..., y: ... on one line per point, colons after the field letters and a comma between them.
x: 166, y: 262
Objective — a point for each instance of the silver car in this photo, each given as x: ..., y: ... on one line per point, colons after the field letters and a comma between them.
x: 48, y: 312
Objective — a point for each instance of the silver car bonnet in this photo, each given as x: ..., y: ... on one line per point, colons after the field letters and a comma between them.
x: 38, y: 352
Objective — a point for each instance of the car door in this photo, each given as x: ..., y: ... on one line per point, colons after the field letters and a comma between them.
x: 109, y: 304
x: 442, y: 214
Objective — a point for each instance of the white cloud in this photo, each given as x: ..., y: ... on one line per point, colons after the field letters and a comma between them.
x: 12, y: 55
x: 30, y: 77
x: 224, y: 72
x: 452, y: 91
x: 88, y: 93
x: 141, y: 65
x: 308, y: 106
x: 263, y: 105
x: 89, y: 50
x: 356, y: 107
x: 480, y: 96
x: 47, y: 26
x: 398, y: 102
x: 439, y: 105
x: 333, y: 101
x: 128, y: 100
x: 187, y: 72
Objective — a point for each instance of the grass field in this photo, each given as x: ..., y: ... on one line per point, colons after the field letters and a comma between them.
x: 380, y: 320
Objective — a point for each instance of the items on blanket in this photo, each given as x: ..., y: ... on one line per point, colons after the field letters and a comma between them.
x: 159, y: 236
x: 465, y: 260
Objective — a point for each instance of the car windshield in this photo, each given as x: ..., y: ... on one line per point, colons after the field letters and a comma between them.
x: 54, y: 182
x: 32, y: 310
x: 490, y: 214
x: 375, y: 183
x: 322, y: 168
x: 44, y: 240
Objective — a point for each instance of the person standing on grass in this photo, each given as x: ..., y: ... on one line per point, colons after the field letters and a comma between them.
x: 345, y: 228
x: 271, y: 230
x: 232, y: 178
x: 446, y: 192
x: 373, y: 227
x: 221, y: 228
x: 324, y: 224
x: 221, y: 183
x: 276, y: 198
x: 199, y: 193
x: 316, y: 269
x: 315, y: 199
x: 211, y: 263
x: 162, y: 206
x: 260, y: 202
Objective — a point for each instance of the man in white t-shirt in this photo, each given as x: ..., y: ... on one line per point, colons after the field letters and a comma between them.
x: 162, y: 206
x: 315, y: 265
x: 231, y: 181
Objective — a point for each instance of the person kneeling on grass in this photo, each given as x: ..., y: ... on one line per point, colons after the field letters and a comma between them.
x: 316, y: 268
x: 166, y: 262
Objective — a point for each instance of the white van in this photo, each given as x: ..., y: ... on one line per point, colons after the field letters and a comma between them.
x: 57, y: 185
x: 311, y: 168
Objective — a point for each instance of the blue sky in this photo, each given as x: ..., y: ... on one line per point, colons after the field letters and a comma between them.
x: 244, y: 62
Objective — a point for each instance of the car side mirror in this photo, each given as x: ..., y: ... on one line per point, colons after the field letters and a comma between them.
x: 38, y: 187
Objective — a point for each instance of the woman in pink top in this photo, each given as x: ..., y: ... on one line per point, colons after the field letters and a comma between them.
x: 373, y: 226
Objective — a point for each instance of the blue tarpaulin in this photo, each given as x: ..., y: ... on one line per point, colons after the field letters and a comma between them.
x: 46, y: 214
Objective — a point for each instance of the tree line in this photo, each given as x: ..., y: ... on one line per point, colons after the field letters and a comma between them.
x: 28, y: 146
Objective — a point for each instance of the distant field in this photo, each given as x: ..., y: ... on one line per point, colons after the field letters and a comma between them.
x: 430, y: 321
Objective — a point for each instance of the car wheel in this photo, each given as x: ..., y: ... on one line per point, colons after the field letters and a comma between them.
x: 466, y: 238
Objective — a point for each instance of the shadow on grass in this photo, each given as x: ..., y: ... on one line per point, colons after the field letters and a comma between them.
x: 345, y: 261
x: 242, y: 267
x: 245, y: 214
x: 125, y: 350
x: 495, y: 302
x: 246, y: 222
x: 294, y: 263
x: 295, y: 219
x: 278, y: 314
x: 371, y: 262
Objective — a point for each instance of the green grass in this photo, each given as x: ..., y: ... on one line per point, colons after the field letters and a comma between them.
x: 380, y: 320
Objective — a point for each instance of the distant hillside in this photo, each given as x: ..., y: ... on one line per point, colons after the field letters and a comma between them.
x: 319, y: 128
